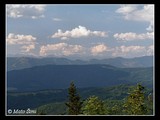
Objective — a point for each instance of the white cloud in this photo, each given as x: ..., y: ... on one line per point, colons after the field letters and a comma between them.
x: 103, y: 51
x: 28, y: 48
x: 125, y: 9
x: 27, y: 11
x: 60, y: 49
x: 133, y: 36
x: 150, y: 50
x: 57, y: 19
x: 127, y: 49
x: 132, y: 51
x: 132, y: 12
x: 80, y: 31
x: 98, y: 49
x: 20, y: 39
x: 27, y: 41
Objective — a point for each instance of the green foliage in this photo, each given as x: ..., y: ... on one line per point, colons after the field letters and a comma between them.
x: 135, y: 102
x: 94, y: 106
x: 74, y: 105
x: 149, y: 103
x: 117, y: 92
x: 115, y: 107
x: 58, y: 108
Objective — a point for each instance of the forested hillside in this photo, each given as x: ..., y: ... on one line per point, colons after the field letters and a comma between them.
x: 60, y: 76
x: 52, y: 101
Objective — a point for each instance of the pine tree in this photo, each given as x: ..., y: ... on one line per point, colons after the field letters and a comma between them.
x: 74, y: 105
x: 135, y: 102
x: 93, y: 106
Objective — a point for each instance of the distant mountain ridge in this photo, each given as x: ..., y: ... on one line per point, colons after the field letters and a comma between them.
x: 15, y: 63
x: 60, y: 76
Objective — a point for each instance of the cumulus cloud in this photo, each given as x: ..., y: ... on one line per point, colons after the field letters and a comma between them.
x: 60, y: 49
x: 20, y: 39
x: 131, y: 51
x: 27, y: 11
x: 28, y: 48
x: 125, y: 9
x: 132, y: 12
x: 27, y: 41
x: 133, y: 36
x: 98, y: 49
x: 103, y: 51
x: 57, y: 19
x: 78, y: 32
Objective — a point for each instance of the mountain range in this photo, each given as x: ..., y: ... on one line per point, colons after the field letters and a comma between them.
x: 15, y: 63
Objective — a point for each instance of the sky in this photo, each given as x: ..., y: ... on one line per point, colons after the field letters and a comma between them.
x: 80, y: 31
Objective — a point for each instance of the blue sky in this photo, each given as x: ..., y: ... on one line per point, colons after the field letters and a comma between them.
x: 80, y: 31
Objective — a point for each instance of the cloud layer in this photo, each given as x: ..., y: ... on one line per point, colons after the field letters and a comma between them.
x: 27, y: 11
x: 100, y: 50
x: 132, y: 12
x: 133, y: 36
x: 78, y: 32
x: 130, y: 51
x: 27, y: 41
x: 60, y: 49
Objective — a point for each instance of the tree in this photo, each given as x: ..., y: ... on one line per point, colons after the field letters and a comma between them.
x: 74, y: 105
x: 135, y: 102
x: 93, y: 106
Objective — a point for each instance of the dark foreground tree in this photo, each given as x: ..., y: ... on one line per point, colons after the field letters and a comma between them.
x: 135, y: 102
x: 74, y: 105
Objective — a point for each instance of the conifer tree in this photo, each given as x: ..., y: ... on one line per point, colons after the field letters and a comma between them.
x: 74, y: 105
x: 135, y: 102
